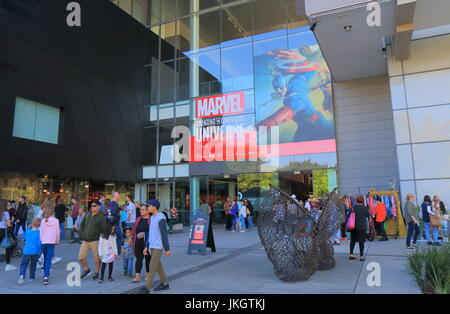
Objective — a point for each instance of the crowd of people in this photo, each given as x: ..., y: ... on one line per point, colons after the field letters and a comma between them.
x: 431, y: 215
x: 238, y: 215
x: 134, y: 232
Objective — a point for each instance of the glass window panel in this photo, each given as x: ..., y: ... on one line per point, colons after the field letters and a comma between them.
x: 426, y: 89
x: 182, y: 170
x: 208, y: 65
x: 265, y: 27
x: 166, y: 112
x: 24, y: 118
x: 205, y: 4
x: 168, y: 41
x: 237, y: 68
x: 183, y: 79
x: 164, y: 172
x: 182, y: 111
x: 237, y: 24
x: 167, y: 82
x: 183, y: 36
x: 430, y: 124
x: 154, y: 11
x: 165, y: 139
x: 297, y: 20
x: 401, y: 126
x: 398, y: 95
x: 47, y: 124
x: 152, y: 80
x: 434, y: 187
x: 264, y: 47
x: 168, y: 10
x: 405, y: 164
x: 432, y: 160
x: 209, y: 30
x: 149, y: 146
x: 125, y: 5
x: 183, y: 8
x: 149, y: 172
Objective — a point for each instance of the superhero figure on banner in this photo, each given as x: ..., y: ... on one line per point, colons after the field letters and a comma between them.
x: 296, y: 74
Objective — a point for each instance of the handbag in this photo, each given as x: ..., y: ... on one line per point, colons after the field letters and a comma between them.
x: 8, y: 241
x: 434, y: 221
x: 351, y: 221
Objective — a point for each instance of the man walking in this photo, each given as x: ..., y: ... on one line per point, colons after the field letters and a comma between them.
x: 158, y: 240
x: 21, y: 216
x: 113, y: 216
x: 91, y: 228
x: 131, y: 212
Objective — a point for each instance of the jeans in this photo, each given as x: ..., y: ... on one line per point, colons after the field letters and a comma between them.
x: 119, y: 238
x: 29, y: 259
x: 22, y: 224
x: 250, y: 222
x: 128, y: 265
x: 233, y: 223
x: 49, y: 252
x: 242, y: 220
x: 412, y: 229
x: 62, y: 231
x: 427, y: 232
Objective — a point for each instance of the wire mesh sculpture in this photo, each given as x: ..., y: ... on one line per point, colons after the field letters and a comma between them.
x: 298, y: 241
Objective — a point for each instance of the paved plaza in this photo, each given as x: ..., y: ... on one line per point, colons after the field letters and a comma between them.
x: 240, y: 266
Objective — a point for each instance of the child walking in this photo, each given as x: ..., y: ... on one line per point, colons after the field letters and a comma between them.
x: 31, y: 252
x: 128, y: 253
x: 49, y: 235
x: 107, y: 251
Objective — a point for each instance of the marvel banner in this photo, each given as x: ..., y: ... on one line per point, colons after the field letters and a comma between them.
x: 288, y: 113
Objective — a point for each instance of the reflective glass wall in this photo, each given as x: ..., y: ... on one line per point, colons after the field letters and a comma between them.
x: 421, y: 108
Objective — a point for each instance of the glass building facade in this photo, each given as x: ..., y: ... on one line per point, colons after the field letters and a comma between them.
x: 216, y: 49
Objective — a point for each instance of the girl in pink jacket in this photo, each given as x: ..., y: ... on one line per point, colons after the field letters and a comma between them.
x: 49, y: 234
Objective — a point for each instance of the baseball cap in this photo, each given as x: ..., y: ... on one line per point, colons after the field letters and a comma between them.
x: 154, y: 202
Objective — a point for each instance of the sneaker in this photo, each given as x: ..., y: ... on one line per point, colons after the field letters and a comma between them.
x: 162, y: 287
x: 32, y: 279
x: 56, y: 260
x: 10, y: 268
x: 21, y: 281
x: 45, y: 282
x: 95, y: 276
x: 111, y: 279
x: 100, y: 281
x: 85, y: 274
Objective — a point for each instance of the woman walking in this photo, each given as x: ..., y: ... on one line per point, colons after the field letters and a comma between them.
x: 140, y: 231
x: 6, y: 229
x: 427, y: 212
x: 50, y: 237
x: 412, y: 221
x: 358, y: 234
x: 242, y: 216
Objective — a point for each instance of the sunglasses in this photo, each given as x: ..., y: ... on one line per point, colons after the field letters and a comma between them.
x: 94, y: 205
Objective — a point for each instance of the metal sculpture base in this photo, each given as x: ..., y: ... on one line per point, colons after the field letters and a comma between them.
x: 297, y: 241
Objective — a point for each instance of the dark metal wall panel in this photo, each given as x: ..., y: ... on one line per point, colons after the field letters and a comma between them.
x: 365, y: 135
x: 94, y: 73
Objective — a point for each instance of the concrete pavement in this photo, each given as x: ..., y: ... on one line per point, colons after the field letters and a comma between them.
x: 240, y: 266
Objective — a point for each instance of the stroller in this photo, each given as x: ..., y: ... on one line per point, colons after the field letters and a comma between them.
x: 371, y: 233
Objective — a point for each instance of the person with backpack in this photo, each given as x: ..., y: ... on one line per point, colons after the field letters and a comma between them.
x: 427, y: 212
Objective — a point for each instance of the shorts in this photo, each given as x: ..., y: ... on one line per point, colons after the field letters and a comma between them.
x: 84, y: 250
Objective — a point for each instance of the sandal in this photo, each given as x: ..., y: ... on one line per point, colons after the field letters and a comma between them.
x: 135, y: 280
x: 351, y: 257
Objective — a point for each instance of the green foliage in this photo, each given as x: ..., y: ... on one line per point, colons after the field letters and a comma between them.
x: 304, y: 165
x: 436, y: 274
x: 320, y: 183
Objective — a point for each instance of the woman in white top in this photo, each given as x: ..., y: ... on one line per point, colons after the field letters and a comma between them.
x: 5, y: 224
x: 242, y: 215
